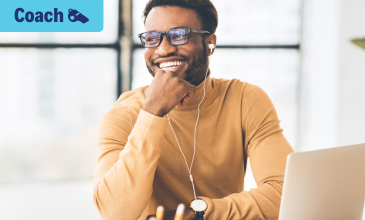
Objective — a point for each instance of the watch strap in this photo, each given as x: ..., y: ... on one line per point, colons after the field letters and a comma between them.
x: 199, y: 215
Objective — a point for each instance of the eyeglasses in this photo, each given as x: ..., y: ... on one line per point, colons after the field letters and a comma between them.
x: 176, y: 36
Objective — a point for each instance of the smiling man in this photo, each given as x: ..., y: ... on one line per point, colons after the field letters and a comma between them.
x: 186, y: 137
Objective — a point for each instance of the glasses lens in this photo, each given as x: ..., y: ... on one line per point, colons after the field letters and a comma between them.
x: 179, y: 36
x: 151, y: 39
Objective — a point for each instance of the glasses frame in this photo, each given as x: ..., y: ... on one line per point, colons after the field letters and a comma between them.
x: 168, y: 37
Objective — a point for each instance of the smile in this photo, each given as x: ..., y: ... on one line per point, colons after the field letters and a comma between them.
x: 168, y: 65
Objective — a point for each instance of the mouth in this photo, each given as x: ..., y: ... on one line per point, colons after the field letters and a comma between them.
x: 172, y: 66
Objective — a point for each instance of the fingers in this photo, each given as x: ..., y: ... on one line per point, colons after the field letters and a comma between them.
x: 160, y: 72
x: 178, y: 106
x: 168, y: 72
x: 160, y: 213
x: 188, y: 97
x: 167, y: 91
x: 184, y: 101
x: 180, y: 212
x: 190, y: 90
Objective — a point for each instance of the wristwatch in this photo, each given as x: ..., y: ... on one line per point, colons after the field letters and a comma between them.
x: 199, y: 206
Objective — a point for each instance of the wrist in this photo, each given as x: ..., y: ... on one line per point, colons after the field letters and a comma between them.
x: 153, y: 110
x: 199, y: 206
x: 189, y: 212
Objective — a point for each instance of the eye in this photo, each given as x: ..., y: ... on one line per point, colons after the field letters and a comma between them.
x: 151, y: 39
x: 179, y: 35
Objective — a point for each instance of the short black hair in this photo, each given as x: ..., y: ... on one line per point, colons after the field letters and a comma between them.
x: 207, y: 13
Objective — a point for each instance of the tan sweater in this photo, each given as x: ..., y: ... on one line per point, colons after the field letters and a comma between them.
x: 141, y: 167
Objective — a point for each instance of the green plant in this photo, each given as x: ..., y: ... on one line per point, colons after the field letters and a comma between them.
x: 359, y: 42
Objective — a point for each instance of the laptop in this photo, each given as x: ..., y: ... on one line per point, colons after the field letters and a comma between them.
x: 326, y: 184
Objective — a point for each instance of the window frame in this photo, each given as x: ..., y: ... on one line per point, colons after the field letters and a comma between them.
x: 115, y: 46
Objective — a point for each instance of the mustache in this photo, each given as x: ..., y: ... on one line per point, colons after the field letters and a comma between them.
x: 186, y: 58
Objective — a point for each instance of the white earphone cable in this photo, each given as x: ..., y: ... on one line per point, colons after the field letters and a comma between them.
x: 192, y: 160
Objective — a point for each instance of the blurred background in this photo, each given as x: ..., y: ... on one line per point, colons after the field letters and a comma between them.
x: 54, y: 87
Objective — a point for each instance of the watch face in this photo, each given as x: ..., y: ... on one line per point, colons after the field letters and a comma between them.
x: 198, y: 205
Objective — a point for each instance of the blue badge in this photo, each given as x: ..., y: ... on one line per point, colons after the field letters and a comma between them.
x: 51, y: 15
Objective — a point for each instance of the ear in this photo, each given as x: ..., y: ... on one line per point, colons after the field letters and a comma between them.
x: 211, y: 39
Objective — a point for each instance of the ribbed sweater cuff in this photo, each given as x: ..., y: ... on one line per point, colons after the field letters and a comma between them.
x: 149, y: 128
x: 217, y: 208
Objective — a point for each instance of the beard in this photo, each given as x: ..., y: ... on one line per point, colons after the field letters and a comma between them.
x: 195, y: 72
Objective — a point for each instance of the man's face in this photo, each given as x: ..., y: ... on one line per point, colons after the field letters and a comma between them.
x: 191, y: 56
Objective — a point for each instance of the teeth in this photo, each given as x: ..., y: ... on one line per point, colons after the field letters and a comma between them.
x: 170, y: 64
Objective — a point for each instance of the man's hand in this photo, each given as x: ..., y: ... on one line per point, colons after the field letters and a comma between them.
x: 166, y: 92
x: 189, y: 214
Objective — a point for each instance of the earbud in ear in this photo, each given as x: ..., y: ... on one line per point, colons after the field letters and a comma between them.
x: 211, y: 47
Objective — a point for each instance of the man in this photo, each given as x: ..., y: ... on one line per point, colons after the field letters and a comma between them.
x: 149, y: 152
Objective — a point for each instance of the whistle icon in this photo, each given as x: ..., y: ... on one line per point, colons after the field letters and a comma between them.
x: 74, y: 15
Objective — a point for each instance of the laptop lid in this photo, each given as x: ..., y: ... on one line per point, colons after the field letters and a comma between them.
x: 326, y: 184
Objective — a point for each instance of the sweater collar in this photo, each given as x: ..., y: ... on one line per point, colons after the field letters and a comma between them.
x: 199, y: 93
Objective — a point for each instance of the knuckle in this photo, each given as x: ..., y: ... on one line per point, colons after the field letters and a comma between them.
x: 159, y: 72
x: 176, y: 80
x: 179, y: 89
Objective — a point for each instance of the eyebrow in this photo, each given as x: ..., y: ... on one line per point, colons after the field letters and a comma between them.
x: 170, y: 29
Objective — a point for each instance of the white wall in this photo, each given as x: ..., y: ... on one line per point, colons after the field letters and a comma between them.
x: 333, y: 72
x: 351, y: 127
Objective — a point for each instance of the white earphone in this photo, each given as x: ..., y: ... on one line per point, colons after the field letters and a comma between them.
x: 211, y: 47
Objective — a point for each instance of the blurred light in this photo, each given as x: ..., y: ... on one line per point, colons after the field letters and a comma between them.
x: 50, y: 106
x: 54, y: 200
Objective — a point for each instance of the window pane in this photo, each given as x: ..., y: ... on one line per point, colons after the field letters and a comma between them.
x: 141, y: 76
x: 138, y: 26
x: 107, y: 35
x: 50, y: 105
x: 274, y: 70
x: 252, y: 22
x: 258, y: 21
x: 48, y: 200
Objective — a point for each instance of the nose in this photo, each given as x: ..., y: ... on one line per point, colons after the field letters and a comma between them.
x: 165, y: 48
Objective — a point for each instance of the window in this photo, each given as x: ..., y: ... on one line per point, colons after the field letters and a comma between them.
x: 51, y: 103
x: 54, y: 87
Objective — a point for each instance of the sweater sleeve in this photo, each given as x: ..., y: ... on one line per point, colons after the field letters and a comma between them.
x: 127, y: 162
x: 267, y: 149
